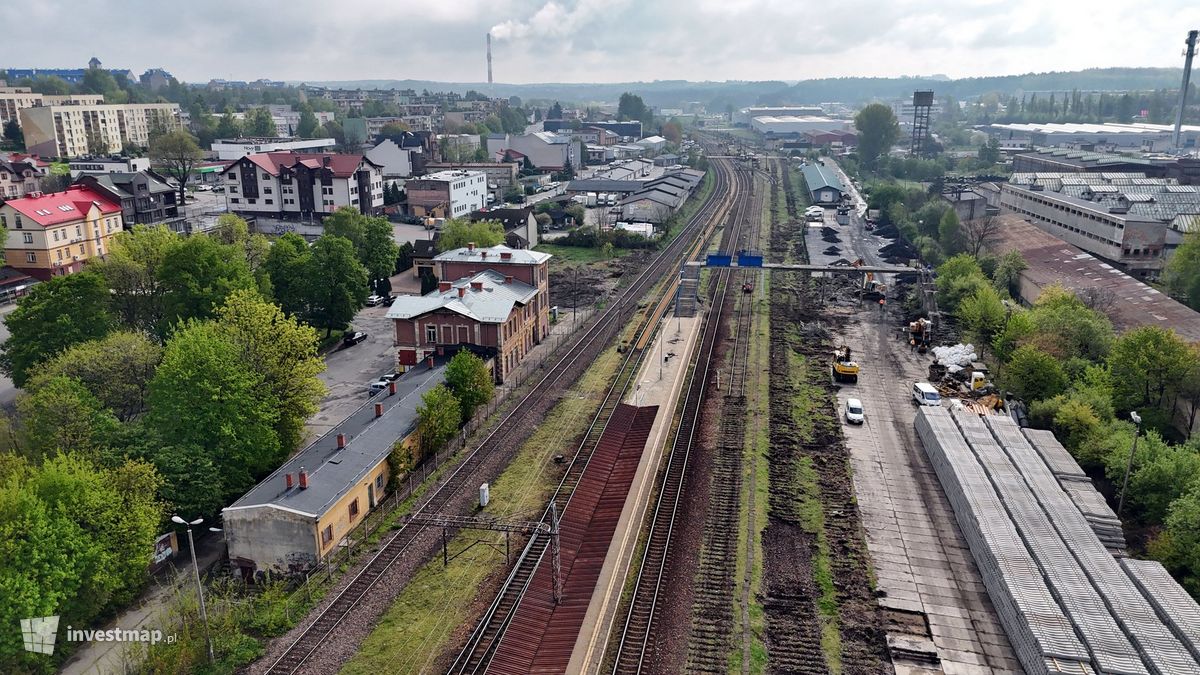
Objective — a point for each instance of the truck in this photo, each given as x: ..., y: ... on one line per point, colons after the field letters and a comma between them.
x: 843, y: 215
x: 591, y: 199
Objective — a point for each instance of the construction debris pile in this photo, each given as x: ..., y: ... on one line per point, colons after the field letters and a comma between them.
x: 1079, y: 487
x: 1066, y: 603
x: 955, y: 357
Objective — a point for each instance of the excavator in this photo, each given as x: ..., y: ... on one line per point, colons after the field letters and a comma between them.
x: 920, y: 334
x: 844, y: 368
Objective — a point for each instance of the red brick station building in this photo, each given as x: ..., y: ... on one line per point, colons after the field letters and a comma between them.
x: 494, y: 301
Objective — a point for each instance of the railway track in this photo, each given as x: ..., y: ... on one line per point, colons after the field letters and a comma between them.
x: 637, y: 632
x: 490, y: 630
x: 514, y: 424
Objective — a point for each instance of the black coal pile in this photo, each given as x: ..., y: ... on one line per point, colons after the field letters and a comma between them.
x: 887, y: 232
x: 832, y: 250
x: 898, y: 251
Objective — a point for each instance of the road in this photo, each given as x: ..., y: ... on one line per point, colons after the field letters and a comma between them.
x: 925, y: 575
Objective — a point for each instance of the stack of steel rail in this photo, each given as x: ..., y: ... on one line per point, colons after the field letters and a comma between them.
x: 1076, y: 610
x: 1174, y: 606
x: 1072, y: 479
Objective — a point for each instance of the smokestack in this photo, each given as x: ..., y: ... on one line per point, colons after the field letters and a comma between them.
x: 303, y: 479
x: 1183, y: 90
x: 489, y: 51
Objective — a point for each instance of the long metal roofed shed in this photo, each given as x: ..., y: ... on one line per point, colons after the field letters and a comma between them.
x: 279, y: 524
x: 824, y: 186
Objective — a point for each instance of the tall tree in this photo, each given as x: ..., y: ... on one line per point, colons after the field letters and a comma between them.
x: 14, y: 135
x: 177, y: 154
x: 116, y: 369
x: 1033, y: 375
x: 61, y: 414
x: 1182, y: 275
x: 979, y: 233
x: 1147, y: 364
x: 131, y: 271
x: 234, y: 231
x: 282, y: 351
x: 346, y: 222
x: 877, y: 132
x: 198, y: 275
x: 307, y: 128
x: 379, y: 251
x: 206, y: 399
x: 229, y: 126
x: 259, y: 123
x: 288, y: 264
x: 55, y: 315
x: 339, y: 283
x: 470, y: 381
x: 457, y: 233
x: 438, y: 419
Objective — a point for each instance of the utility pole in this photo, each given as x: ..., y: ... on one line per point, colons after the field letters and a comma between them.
x: 1187, y: 76
x: 1129, y: 465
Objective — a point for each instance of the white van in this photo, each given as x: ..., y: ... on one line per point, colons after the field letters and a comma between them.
x: 923, y: 393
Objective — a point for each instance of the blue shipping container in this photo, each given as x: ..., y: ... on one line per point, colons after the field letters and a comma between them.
x: 746, y: 259
x: 718, y: 260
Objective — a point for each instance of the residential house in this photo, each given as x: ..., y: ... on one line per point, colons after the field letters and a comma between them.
x: 397, y: 161
x: 77, y: 130
x: 55, y: 234
x: 302, y: 185
x: 520, y: 225
x: 144, y: 196
x: 301, y: 514
x: 107, y: 164
x: 494, y: 301
x: 501, y: 176
x: 20, y: 175
x: 447, y: 194
x: 424, y: 251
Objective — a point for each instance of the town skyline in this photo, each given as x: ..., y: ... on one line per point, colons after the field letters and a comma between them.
x: 535, y: 41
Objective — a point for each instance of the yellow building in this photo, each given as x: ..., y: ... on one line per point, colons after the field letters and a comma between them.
x: 301, y: 513
x: 54, y: 234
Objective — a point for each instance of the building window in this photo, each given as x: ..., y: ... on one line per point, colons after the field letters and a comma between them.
x: 266, y: 176
x: 17, y: 220
x: 3, y: 220
x: 252, y: 200
x: 27, y: 237
x: 354, y: 509
x: 235, y: 200
x: 379, y: 482
x: 270, y: 201
x: 60, y: 254
x: 233, y: 189
x: 78, y: 231
x: 30, y: 257
x: 326, y: 535
x: 267, y: 190
x: 430, y: 332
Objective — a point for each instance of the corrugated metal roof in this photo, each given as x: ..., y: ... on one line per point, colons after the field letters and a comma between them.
x: 491, y: 302
x: 818, y: 177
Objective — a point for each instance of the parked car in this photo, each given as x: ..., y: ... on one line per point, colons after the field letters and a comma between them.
x: 218, y: 188
x: 388, y: 300
x: 204, y: 187
x: 376, y: 387
x: 392, y: 376
x: 354, y: 338
x: 374, y: 300
x: 854, y: 411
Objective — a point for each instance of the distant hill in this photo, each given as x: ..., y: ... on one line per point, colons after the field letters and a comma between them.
x: 718, y: 95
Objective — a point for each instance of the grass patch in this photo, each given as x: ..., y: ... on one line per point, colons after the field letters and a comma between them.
x: 423, y: 621
x: 580, y: 254
x: 812, y: 518
x: 756, y: 460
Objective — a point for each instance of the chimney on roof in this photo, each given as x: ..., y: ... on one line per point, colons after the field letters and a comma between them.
x: 483, y: 252
x: 462, y: 291
x: 326, y: 161
x: 379, y: 410
x: 288, y: 478
x: 392, y: 388
x: 505, y: 255
x: 303, y: 479
x: 341, y: 441
x: 444, y: 286
x: 470, y: 246
x: 477, y: 285
x: 508, y: 279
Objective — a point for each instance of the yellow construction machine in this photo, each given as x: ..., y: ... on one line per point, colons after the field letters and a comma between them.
x: 844, y: 368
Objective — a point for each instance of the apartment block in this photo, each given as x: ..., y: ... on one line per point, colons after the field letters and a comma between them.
x: 15, y: 99
x: 66, y: 130
x: 447, y: 194
x: 301, y: 185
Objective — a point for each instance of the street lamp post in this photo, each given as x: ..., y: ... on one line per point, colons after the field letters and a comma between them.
x: 199, y: 587
x: 1137, y: 419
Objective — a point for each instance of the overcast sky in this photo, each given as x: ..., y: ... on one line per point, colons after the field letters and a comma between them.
x: 594, y: 40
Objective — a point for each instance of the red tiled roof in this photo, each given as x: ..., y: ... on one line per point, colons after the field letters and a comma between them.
x: 343, y: 166
x: 62, y: 207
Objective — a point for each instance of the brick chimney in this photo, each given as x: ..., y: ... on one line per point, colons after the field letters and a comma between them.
x: 477, y: 285
x: 506, y: 255
x: 483, y: 253
x: 391, y: 388
x: 379, y: 410
x: 508, y: 279
x: 470, y: 246
x: 462, y: 291
x: 288, y: 478
x: 444, y: 286
x: 303, y: 479
x: 341, y: 441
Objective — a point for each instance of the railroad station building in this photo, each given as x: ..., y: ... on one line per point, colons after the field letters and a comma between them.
x: 493, y: 301
x: 302, y: 512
